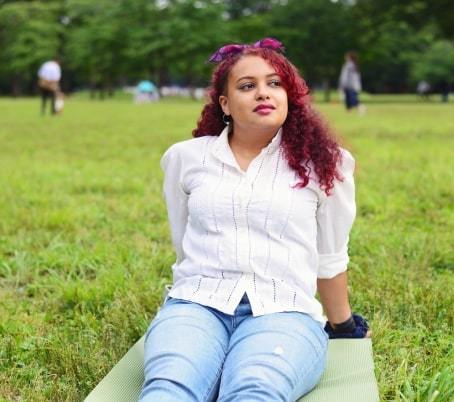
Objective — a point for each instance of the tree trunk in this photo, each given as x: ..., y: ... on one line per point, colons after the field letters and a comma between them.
x: 326, y: 91
x: 161, y: 79
x: 109, y: 87
x: 92, y: 90
x: 16, y: 85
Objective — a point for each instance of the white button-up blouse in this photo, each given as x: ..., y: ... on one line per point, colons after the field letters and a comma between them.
x: 253, y: 231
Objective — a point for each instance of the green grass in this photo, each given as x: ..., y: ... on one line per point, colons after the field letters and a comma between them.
x: 85, y: 250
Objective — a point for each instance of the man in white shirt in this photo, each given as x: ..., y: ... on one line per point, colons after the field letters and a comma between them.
x: 49, y: 76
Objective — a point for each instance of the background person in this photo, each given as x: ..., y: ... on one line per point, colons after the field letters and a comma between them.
x: 350, y: 81
x: 146, y: 92
x: 49, y: 75
x: 423, y: 89
x: 444, y: 90
x: 260, y: 206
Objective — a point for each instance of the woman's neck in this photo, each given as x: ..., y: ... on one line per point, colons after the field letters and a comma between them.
x: 250, y: 142
x: 245, y: 147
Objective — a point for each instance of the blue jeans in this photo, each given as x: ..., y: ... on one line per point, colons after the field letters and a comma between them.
x: 196, y: 353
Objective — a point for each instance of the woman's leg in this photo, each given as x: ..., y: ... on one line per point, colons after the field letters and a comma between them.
x: 185, y: 349
x: 53, y: 98
x: 275, y: 357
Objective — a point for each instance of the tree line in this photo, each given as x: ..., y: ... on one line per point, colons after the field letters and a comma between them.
x: 103, y: 44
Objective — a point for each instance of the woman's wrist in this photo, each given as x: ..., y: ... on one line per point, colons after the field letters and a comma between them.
x: 334, y: 297
x: 339, y: 315
x: 346, y: 326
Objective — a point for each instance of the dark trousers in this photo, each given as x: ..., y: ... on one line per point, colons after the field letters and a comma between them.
x: 45, y: 95
x: 351, y: 98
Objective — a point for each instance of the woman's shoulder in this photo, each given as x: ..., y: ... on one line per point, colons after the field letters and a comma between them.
x: 347, y: 162
x: 188, y: 150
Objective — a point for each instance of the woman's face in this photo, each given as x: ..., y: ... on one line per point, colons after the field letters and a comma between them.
x: 255, y: 97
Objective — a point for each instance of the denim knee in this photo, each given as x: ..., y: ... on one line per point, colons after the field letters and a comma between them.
x: 185, y: 347
x: 276, y: 358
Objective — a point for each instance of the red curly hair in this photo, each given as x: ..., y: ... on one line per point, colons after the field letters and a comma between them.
x: 306, y: 139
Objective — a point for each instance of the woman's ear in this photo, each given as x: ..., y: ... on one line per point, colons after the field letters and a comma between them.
x: 223, y: 101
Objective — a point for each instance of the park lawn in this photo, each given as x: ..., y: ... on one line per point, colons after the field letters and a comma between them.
x: 85, y: 249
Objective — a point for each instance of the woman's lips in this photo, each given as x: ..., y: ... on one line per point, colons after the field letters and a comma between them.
x: 264, y: 109
x: 264, y: 112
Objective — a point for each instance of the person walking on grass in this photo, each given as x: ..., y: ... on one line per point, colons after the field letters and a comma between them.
x: 49, y: 75
x: 350, y: 82
x: 260, y: 205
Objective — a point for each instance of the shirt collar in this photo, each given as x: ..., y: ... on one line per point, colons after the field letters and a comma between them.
x: 221, y: 148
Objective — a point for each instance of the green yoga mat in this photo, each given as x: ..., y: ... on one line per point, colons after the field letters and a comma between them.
x: 349, y: 376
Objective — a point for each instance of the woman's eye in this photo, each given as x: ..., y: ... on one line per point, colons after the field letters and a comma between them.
x: 275, y: 83
x: 247, y: 85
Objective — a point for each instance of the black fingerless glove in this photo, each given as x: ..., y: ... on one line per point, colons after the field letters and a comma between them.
x: 355, y: 327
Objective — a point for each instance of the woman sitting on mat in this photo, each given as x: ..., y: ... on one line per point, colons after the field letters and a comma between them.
x: 260, y: 206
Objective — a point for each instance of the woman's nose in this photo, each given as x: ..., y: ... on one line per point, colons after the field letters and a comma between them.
x: 262, y: 92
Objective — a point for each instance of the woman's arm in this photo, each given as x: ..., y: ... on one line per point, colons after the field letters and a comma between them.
x: 334, y: 297
x: 335, y: 215
x: 176, y: 198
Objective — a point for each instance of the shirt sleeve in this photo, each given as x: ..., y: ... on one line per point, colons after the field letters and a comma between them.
x: 335, y: 216
x: 176, y: 198
x: 343, y: 77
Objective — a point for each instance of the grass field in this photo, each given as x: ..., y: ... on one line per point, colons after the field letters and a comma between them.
x: 85, y: 250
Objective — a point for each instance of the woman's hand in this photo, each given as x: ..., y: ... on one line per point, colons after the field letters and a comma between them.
x: 355, y: 327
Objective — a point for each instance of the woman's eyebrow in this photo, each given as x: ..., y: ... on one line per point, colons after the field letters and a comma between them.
x: 247, y: 77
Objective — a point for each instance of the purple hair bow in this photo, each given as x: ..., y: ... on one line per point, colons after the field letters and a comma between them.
x: 229, y: 50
